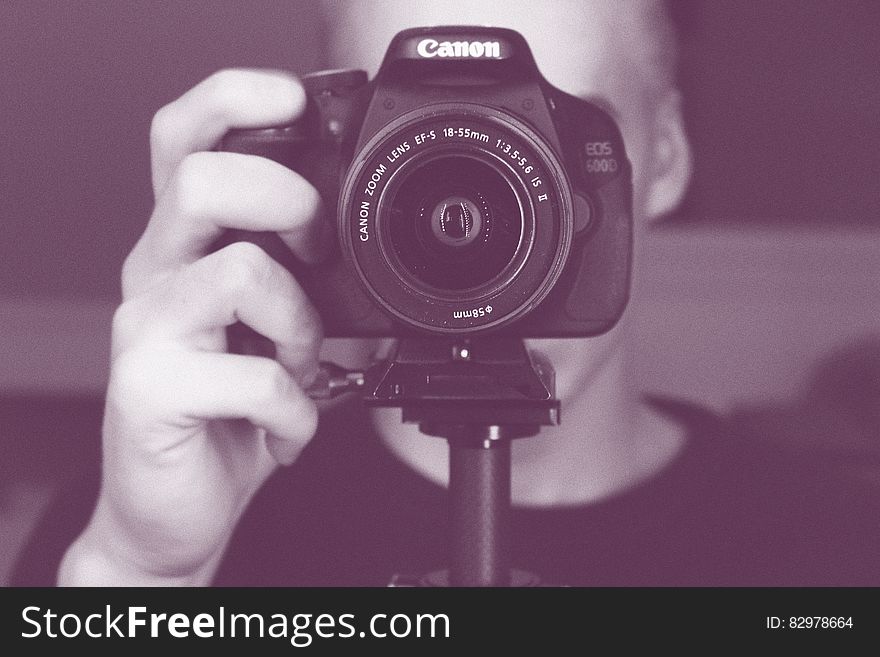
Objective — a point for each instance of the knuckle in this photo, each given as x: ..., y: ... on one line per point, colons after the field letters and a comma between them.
x: 163, y: 126
x: 126, y: 319
x: 139, y: 387
x: 131, y: 376
x: 129, y: 275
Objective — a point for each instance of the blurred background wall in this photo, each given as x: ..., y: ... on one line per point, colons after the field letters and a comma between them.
x: 781, y: 97
x: 771, y: 262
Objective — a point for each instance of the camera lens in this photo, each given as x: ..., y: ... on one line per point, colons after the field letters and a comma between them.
x: 455, y: 223
x: 456, y: 218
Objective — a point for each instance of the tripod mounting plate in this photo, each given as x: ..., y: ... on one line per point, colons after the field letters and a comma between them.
x: 443, y: 382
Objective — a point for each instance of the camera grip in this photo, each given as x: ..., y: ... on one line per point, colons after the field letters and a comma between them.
x: 289, y: 145
x: 317, y: 147
x: 276, y: 143
x: 286, y: 145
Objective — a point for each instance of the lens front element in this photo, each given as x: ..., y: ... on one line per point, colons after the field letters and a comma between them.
x: 455, y: 224
x: 455, y: 221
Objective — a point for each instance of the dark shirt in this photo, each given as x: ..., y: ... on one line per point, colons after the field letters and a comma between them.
x: 753, y: 499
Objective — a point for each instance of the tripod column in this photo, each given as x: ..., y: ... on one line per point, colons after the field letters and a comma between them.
x: 479, y: 478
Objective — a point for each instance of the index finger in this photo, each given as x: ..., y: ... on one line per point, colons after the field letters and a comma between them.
x: 231, y: 98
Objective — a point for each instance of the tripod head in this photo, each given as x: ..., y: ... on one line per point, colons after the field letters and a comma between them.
x: 445, y: 384
x: 479, y: 394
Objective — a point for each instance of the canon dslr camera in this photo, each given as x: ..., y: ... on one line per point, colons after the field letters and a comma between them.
x: 471, y: 195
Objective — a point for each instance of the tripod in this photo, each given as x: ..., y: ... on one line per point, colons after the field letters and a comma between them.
x: 479, y: 394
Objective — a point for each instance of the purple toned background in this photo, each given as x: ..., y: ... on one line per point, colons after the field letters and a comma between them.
x: 782, y: 103
x: 771, y: 262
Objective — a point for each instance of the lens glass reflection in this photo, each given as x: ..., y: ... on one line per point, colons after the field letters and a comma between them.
x: 455, y: 223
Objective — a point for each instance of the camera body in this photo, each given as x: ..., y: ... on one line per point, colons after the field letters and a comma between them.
x: 472, y: 196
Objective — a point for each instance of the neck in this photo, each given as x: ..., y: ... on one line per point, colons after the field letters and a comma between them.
x: 606, y: 443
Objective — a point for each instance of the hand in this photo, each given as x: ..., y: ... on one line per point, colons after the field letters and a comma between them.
x: 191, y: 431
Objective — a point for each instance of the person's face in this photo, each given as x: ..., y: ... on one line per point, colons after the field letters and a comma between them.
x: 579, y: 48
